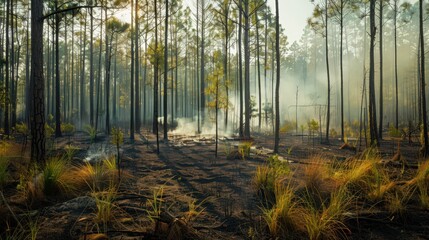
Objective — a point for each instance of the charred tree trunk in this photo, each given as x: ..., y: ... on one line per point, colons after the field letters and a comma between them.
x: 277, y: 122
x: 165, y: 72
x: 372, y: 109
x: 37, y: 88
x: 423, y: 81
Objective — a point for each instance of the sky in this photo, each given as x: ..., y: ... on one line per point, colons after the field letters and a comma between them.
x: 293, y: 16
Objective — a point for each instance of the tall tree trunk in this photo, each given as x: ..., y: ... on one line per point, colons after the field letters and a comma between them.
x: 155, y: 82
x: 137, y: 66
x: 423, y: 81
x: 91, y: 70
x: 7, y: 94
x: 259, y: 71
x: 277, y: 122
x: 342, y: 67
x: 166, y: 72
x: 225, y: 60
x: 82, y: 78
x: 203, y: 26
x: 380, y: 126
x: 37, y: 84
x: 107, y: 77
x: 372, y: 110
x: 328, y: 111
x: 27, y: 72
x: 247, y: 107
x: 100, y: 50
x: 395, y: 28
x: 132, y: 101
x: 57, y: 75
x: 240, y: 71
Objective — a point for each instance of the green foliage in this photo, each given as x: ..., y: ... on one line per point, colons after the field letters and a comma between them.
x: 92, y: 132
x: 53, y: 172
x: 21, y: 128
x: 67, y: 128
x: 333, y: 133
x: 312, y: 126
x: 70, y: 151
x: 49, y: 131
x: 105, y: 206
x: 288, y: 126
x: 155, y: 205
x: 115, y: 26
x: 117, y: 137
x: 244, y: 149
x: 394, y: 132
x: 281, y: 167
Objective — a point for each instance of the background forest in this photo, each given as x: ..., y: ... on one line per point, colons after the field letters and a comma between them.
x: 121, y: 63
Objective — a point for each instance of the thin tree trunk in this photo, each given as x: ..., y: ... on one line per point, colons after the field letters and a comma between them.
x: 372, y: 110
x: 240, y: 71
x: 166, y: 72
x: 380, y: 126
x: 155, y: 82
x: 277, y: 122
x: 7, y: 94
x: 423, y: 81
x: 57, y: 75
x: 132, y: 101
x: 91, y: 70
x: 328, y: 112
x: 137, y: 66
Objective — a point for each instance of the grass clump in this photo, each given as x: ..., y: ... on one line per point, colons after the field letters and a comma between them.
x: 328, y: 221
x: 92, y: 132
x: 53, y: 181
x: 244, y: 149
x: 316, y: 172
x: 98, y: 176
x: 421, y: 183
x: 155, y: 206
x: 283, y: 218
x: 104, y: 202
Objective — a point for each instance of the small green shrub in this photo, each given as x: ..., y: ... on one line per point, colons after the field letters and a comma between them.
x: 67, y: 128
x: 92, y: 132
x: 244, y: 149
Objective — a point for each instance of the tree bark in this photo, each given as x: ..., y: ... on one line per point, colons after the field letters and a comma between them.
x: 277, y: 122
x: 166, y: 72
x: 372, y: 108
x: 380, y: 126
x: 37, y: 88
x: 57, y: 75
x: 423, y: 81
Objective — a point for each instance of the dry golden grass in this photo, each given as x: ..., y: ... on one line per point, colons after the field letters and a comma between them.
x: 317, y: 174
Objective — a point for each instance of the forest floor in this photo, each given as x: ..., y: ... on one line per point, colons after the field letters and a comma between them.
x: 213, y: 196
